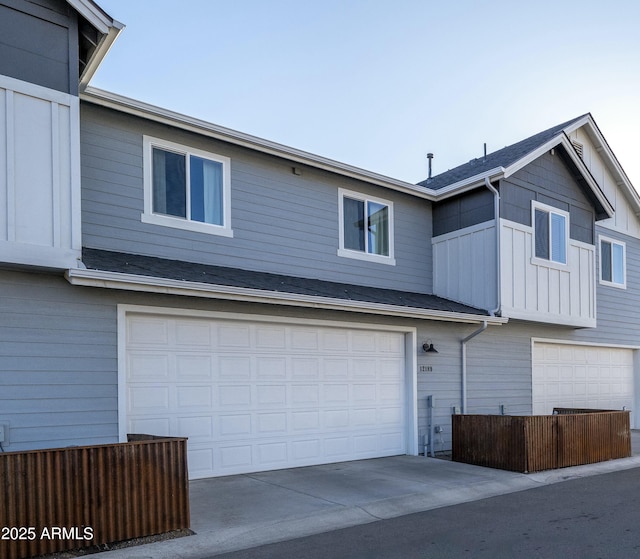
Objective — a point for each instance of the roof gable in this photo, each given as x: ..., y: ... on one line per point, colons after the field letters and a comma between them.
x: 510, y: 159
x: 502, y: 158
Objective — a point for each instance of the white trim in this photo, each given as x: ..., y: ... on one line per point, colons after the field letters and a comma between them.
x: 411, y: 367
x: 469, y: 184
x: 612, y: 242
x: 535, y: 205
x: 582, y: 343
x: 548, y: 318
x: 490, y: 224
x: 33, y: 90
x: 93, y: 14
x: 55, y: 174
x: 357, y: 254
x: 131, y: 282
x: 150, y: 217
x: 11, y: 167
x: 75, y: 174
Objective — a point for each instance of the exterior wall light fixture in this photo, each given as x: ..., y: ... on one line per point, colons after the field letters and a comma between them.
x: 428, y: 347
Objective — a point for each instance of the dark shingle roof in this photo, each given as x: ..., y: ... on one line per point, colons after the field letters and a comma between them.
x: 501, y: 158
x: 149, y: 266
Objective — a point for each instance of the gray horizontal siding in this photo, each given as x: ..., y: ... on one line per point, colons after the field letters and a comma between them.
x: 58, y: 363
x: 282, y: 223
x: 618, y: 310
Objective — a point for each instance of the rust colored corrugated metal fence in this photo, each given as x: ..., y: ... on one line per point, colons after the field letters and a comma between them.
x: 59, y: 499
x: 541, y: 442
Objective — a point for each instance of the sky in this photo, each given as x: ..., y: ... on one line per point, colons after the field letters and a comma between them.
x: 379, y: 84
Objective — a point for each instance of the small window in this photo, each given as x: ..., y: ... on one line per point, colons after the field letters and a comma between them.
x: 551, y: 233
x: 612, y: 262
x: 366, y: 228
x: 186, y: 188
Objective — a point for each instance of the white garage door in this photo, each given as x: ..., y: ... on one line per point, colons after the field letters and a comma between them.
x: 254, y: 396
x: 581, y: 376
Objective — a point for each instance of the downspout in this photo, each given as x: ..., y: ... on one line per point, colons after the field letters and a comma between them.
x: 496, y: 214
x: 463, y: 346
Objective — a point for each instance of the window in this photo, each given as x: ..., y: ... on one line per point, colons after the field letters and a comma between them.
x: 186, y: 188
x: 612, y: 262
x: 366, y: 228
x: 551, y: 233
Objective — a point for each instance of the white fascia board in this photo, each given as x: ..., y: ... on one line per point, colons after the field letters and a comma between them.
x: 106, y: 42
x: 132, y: 282
x: 468, y: 184
x: 563, y: 139
x: 90, y: 11
x: 184, y: 122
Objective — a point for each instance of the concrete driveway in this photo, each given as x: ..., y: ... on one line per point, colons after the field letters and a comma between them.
x: 243, y: 511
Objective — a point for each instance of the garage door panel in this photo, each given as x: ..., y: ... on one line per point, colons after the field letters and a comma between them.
x: 192, y: 333
x: 305, y: 367
x: 233, y: 337
x: 304, y: 339
x: 148, y: 366
x: 233, y: 396
x: 257, y: 396
x: 193, y: 367
x: 566, y: 375
x: 147, y: 331
x: 234, y: 367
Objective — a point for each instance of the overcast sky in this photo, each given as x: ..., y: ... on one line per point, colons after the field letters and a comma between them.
x: 378, y: 84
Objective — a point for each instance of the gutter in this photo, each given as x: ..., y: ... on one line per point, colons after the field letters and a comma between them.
x: 153, y: 113
x: 132, y: 282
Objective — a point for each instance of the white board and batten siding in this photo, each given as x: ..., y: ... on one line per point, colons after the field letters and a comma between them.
x: 582, y: 376
x: 537, y: 290
x: 39, y: 175
x: 261, y: 394
x: 464, y: 265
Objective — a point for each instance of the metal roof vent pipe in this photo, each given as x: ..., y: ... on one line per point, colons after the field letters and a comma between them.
x: 430, y: 158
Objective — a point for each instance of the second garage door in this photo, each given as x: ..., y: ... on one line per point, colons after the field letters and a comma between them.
x: 581, y: 376
x: 254, y: 395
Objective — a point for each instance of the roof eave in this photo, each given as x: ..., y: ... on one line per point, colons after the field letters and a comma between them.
x: 469, y: 183
x: 105, y: 44
x: 133, y: 282
x: 171, y: 118
x: 108, y: 29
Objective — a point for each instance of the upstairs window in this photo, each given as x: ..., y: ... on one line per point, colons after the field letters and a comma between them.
x: 186, y: 188
x: 366, y: 228
x: 612, y: 262
x: 551, y: 233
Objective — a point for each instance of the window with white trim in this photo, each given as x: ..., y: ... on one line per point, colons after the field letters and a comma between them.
x: 550, y: 233
x: 613, y: 262
x: 186, y: 188
x: 366, y: 227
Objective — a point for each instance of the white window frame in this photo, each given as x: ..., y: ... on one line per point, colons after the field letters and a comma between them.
x: 357, y: 254
x: 550, y: 210
x: 179, y: 222
x: 612, y: 241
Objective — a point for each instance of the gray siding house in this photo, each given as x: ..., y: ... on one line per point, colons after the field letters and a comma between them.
x: 165, y: 275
